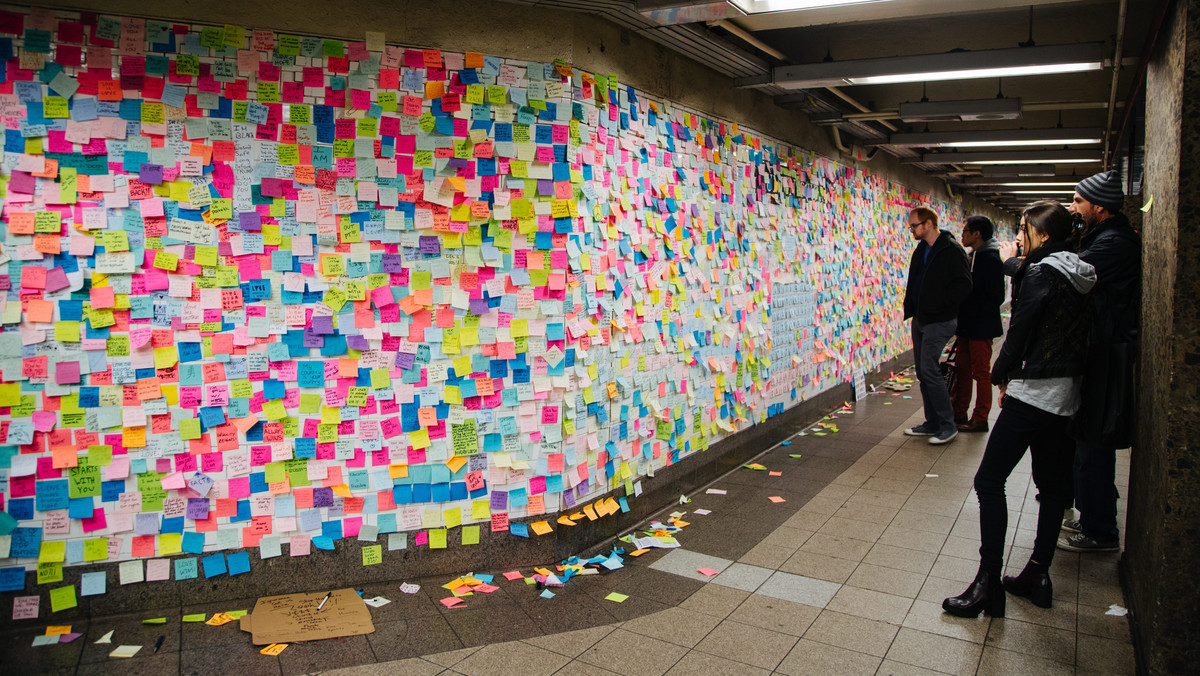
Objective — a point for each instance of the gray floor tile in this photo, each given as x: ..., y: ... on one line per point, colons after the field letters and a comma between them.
x: 799, y: 589
x: 686, y: 563
x: 742, y: 576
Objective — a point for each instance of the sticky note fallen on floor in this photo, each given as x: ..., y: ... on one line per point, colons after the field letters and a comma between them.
x: 513, y: 575
x: 707, y: 572
x: 453, y: 602
x: 775, y: 473
x: 616, y: 597
x: 125, y: 651
x: 776, y: 498
x: 273, y: 649
x: 715, y: 491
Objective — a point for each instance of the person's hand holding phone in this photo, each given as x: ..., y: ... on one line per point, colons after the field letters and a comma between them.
x: 1009, y: 250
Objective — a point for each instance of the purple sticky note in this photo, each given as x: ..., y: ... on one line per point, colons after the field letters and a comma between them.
x: 545, y: 186
x: 312, y: 338
x: 479, y: 306
x: 392, y: 263
x: 272, y: 187
x: 66, y: 373
x: 250, y: 221
x: 430, y: 245
x: 322, y: 324
x: 322, y: 497
x: 405, y: 360
x: 151, y: 173
x: 499, y: 500
x: 197, y: 508
x: 357, y: 343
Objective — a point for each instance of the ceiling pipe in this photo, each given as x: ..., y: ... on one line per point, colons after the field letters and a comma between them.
x: 880, y: 115
x: 749, y: 38
x: 861, y: 108
x: 1116, y: 76
x: 854, y: 151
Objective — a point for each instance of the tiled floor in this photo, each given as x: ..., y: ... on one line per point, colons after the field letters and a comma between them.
x: 845, y: 576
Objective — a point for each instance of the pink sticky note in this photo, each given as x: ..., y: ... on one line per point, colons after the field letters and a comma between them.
x: 707, y: 572
x: 299, y: 545
x: 775, y: 473
x: 158, y: 569
x: 67, y: 373
x: 26, y: 607
x: 513, y: 575
x: 776, y: 498
x: 453, y: 602
x: 485, y: 588
x: 173, y: 481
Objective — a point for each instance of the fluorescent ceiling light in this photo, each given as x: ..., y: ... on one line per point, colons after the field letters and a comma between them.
x: 1067, y: 184
x: 1041, y: 192
x: 998, y: 138
x: 1020, y: 170
x: 1015, y: 157
x: 961, y: 111
x: 764, y: 6
x: 963, y: 65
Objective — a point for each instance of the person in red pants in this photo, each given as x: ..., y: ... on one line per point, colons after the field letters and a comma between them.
x: 978, y: 325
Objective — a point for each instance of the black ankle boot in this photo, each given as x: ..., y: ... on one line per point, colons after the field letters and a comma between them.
x: 1033, y: 585
x: 984, y: 595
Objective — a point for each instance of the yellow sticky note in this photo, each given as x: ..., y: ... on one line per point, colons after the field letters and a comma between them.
x: 437, y: 538
x: 541, y: 527
x: 452, y: 517
x: 273, y: 649
x: 456, y: 463
x: 481, y: 509
x: 54, y: 551
x: 197, y: 617
x: 470, y: 535
x: 372, y: 554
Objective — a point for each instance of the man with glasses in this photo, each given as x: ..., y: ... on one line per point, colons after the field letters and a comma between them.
x: 939, y: 279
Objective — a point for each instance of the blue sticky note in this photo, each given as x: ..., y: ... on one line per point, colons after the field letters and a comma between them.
x: 193, y: 543
x: 239, y: 563
x: 93, y: 584
x: 214, y: 565
x: 519, y: 529
x: 323, y: 542
x: 12, y: 579
x: 185, y: 569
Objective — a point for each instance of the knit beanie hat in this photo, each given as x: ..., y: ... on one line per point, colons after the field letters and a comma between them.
x: 1103, y: 190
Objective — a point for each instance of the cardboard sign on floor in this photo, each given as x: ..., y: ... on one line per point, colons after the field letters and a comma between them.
x: 296, y: 617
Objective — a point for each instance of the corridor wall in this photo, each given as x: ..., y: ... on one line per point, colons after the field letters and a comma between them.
x: 269, y: 291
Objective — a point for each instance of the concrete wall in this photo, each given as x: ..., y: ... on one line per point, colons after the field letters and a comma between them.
x: 522, y: 31
x: 1163, y: 521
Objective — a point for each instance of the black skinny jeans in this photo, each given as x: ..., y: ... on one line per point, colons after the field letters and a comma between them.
x: 1022, y: 426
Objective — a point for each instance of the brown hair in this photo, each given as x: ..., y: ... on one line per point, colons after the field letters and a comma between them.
x: 926, y: 214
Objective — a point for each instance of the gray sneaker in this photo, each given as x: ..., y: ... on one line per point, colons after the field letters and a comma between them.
x: 1083, y: 543
x: 1072, y: 526
x: 943, y: 437
x: 920, y: 431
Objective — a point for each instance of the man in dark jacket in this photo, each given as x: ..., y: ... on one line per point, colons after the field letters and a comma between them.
x: 1105, y: 421
x: 978, y: 325
x: 939, y: 278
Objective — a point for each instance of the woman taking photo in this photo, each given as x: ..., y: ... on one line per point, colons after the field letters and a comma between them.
x: 1038, y: 372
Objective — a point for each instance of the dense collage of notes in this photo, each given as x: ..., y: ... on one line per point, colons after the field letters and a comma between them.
x: 266, y: 289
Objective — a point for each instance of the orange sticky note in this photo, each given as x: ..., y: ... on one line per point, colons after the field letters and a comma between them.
x: 456, y: 463
x: 541, y: 527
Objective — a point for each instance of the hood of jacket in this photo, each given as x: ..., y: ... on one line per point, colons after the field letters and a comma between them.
x: 990, y: 245
x: 1081, y: 275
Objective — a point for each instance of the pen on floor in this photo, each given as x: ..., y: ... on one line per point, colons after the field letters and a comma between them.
x: 322, y: 603
x: 158, y: 643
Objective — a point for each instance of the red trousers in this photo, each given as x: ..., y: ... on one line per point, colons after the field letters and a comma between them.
x: 974, y: 361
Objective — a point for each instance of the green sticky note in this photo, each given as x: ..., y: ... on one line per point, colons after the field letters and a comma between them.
x: 155, y: 620
x: 470, y: 535
x: 615, y: 597
x: 236, y: 614
x: 437, y: 538
x: 189, y: 428
x: 275, y: 472
x: 794, y: 455
x: 62, y: 598
x: 198, y: 617
x: 372, y: 554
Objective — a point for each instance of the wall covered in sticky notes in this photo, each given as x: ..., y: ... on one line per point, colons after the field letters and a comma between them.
x: 269, y: 289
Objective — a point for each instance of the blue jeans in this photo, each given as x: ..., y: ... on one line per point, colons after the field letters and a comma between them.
x: 1096, y: 490
x: 928, y: 342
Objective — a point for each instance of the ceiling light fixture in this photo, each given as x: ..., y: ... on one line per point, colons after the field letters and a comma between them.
x: 998, y: 138
x: 765, y: 6
x: 963, y: 65
x: 961, y: 111
x: 1011, y: 157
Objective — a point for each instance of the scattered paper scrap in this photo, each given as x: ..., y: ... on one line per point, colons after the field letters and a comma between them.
x: 1116, y: 611
x: 219, y: 619
x: 794, y: 455
x: 198, y: 617
x: 155, y: 620
x: 716, y: 491
x: 776, y: 499
x: 125, y: 651
x: 703, y: 512
x: 409, y: 588
x: 931, y: 476
x: 453, y: 602
x: 43, y: 640
x: 775, y: 473
x: 547, y: 594
x: 513, y: 575
x: 707, y: 572
x: 273, y: 649
x: 785, y: 443
x: 755, y: 466
x: 616, y: 597
x: 376, y: 602
x: 107, y: 638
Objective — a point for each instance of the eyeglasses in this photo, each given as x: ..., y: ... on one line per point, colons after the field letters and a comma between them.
x: 914, y: 226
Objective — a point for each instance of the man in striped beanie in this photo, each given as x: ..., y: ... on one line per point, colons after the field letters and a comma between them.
x: 1104, y: 423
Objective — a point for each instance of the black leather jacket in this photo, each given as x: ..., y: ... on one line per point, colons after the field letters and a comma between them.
x: 1048, y: 333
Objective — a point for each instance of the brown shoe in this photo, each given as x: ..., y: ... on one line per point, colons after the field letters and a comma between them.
x: 974, y: 426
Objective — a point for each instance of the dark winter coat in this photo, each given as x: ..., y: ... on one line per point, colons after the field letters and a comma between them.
x: 1047, y: 335
x: 936, y: 288
x: 979, y: 315
x: 1106, y: 418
